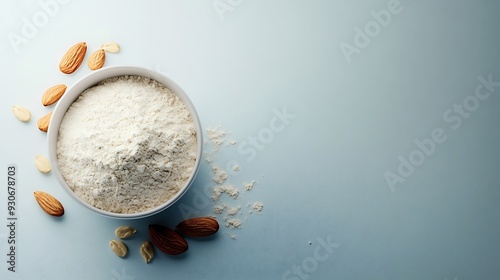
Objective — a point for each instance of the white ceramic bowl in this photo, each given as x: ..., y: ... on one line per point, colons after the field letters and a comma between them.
x: 94, y: 78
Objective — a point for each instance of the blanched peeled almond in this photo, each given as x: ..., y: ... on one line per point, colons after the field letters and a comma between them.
x: 119, y: 248
x: 111, y: 47
x: 124, y: 232
x: 147, y: 251
x: 21, y: 113
x: 42, y: 164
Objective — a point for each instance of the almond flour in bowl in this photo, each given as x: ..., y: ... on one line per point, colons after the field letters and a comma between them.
x: 128, y: 146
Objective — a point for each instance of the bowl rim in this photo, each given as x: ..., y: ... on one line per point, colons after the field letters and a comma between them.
x: 93, y: 78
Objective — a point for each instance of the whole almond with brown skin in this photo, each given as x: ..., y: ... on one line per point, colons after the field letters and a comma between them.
x: 52, y: 94
x: 96, y: 59
x: 73, y: 58
x: 49, y: 204
x: 198, y: 227
x: 167, y: 240
x: 43, y: 122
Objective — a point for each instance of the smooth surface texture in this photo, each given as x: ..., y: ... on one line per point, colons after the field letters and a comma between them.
x: 317, y: 127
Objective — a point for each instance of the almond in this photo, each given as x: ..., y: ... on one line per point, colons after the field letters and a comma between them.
x: 167, y: 240
x: 147, y: 251
x: 111, y: 47
x: 198, y: 227
x: 119, y: 248
x: 43, y: 122
x: 125, y: 232
x: 49, y: 204
x: 52, y: 94
x: 73, y: 58
x: 42, y: 164
x: 21, y: 113
x: 96, y: 59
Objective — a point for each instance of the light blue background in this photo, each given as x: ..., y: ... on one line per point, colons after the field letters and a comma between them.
x: 322, y: 176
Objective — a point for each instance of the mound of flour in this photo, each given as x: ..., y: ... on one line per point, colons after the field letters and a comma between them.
x: 127, y: 145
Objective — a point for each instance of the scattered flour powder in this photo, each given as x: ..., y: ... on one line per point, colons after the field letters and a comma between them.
x: 233, y: 223
x: 217, y: 136
x: 127, y: 145
x: 258, y: 206
x: 230, y: 190
x: 249, y: 186
x: 225, y: 194
x: 220, y: 176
